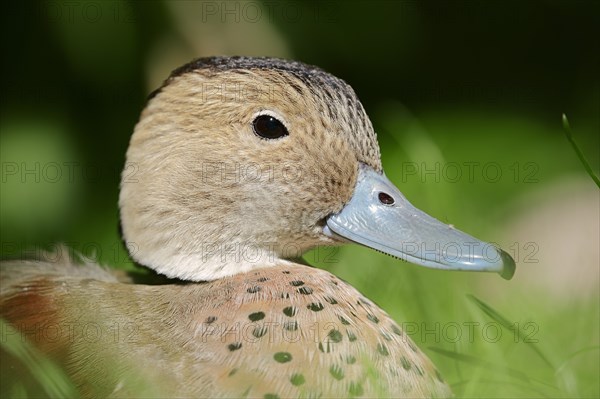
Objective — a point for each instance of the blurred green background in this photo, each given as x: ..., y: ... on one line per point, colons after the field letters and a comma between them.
x: 466, y: 97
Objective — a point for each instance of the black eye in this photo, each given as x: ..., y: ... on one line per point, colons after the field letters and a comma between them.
x: 269, y: 127
x: 386, y: 199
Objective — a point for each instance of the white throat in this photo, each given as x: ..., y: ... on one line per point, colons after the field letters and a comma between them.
x: 209, y: 261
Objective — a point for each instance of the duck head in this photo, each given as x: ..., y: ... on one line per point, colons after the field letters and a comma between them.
x: 239, y: 163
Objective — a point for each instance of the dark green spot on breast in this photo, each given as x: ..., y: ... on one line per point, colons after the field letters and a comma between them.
x: 382, y: 349
x: 373, y: 318
x: 336, y: 372
x: 282, y: 357
x: 256, y: 316
x: 235, y: 346
x: 290, y: 311
x: 325, y: 348
x: 405, y: 363
x: 316, y: 306
x: 305, y: 290
x: 335, y: 336
x: 331, y: 300
x: 343, y: 320
x: 253, y: 290
x: 290, y: 325
x: 355, y: 389
x: 412, y: 346
x: 396, y: 330
x: 351, y: 336
x: 297, y: 283
x: 258, y: 332
x: 297, y: 379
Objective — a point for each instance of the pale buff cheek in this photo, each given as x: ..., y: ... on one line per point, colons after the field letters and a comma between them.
x: 320, y: 170
x: 181, y: 202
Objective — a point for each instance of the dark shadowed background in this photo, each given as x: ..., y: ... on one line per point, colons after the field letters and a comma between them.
x: 466, y: 97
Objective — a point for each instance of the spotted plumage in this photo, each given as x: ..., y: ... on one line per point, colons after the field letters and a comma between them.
x: 236, y: 167
x: 292, y: 331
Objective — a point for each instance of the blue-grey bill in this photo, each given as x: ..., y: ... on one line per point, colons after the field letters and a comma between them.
x: 389, y: 223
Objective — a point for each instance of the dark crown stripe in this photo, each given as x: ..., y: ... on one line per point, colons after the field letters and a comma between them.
x: 306, y: 73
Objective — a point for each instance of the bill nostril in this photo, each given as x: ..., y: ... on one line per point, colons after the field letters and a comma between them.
x: 386, y: 199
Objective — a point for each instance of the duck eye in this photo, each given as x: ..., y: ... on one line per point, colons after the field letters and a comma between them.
x: 269, y: 127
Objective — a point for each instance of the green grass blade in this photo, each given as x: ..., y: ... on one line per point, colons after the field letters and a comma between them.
x: 499, y: 369
x: 52, y: 379
x: 580, y: 155
x: 493, y: 314
x: 482, y: 363
x: 573, y: 355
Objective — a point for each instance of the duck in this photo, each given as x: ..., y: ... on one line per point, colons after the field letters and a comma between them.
x: 236, y: 167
